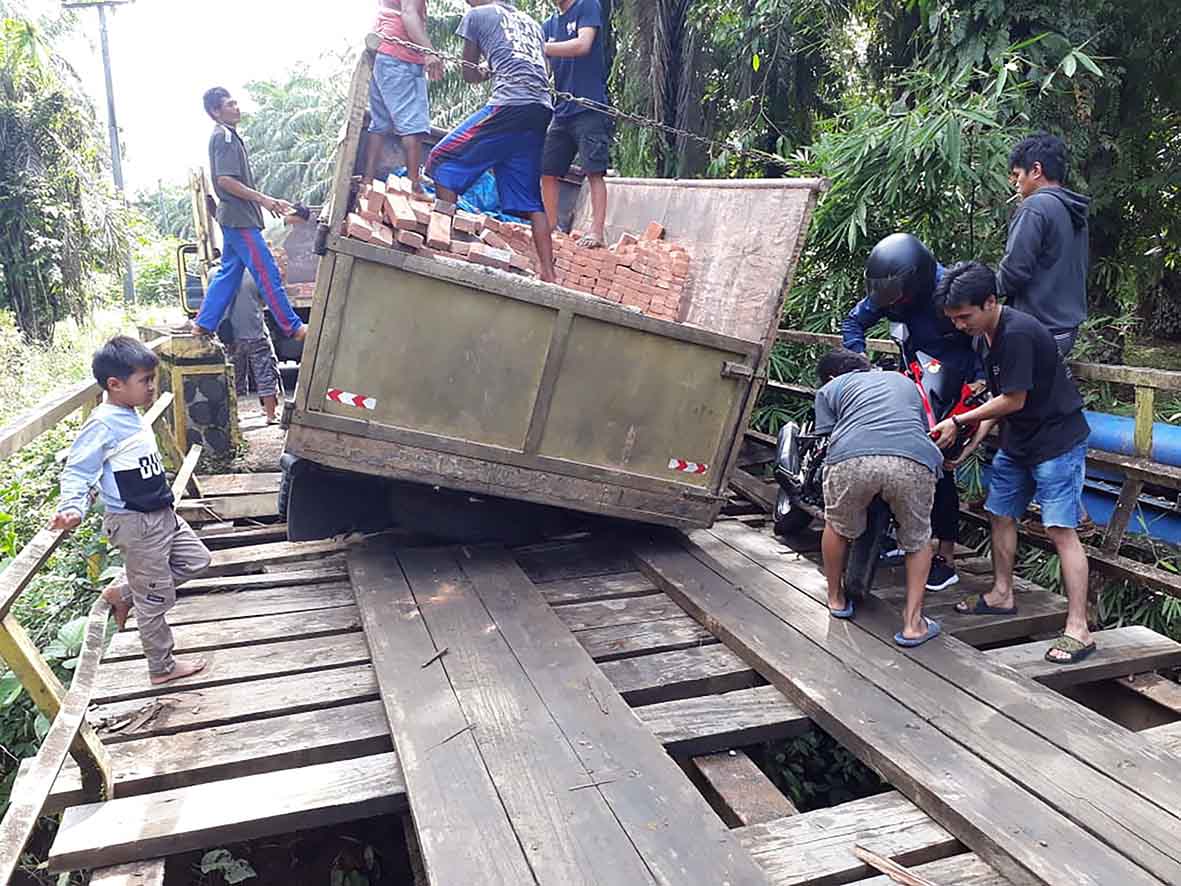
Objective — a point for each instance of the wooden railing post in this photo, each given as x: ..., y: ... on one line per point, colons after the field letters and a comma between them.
x: 1129, y: 496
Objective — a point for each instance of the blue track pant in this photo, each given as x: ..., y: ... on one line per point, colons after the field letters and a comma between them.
x: 244, y: 249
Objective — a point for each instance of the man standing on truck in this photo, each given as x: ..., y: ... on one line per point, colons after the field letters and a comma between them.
x: 574, y: 45
x: 239, y: 213
x: 1044, y: 271
x: 900, y: 279
x: 1043, y: 448
x: 508, y: 134
x: 398, y: 104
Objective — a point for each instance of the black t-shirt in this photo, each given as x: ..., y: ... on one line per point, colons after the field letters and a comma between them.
x: 1024, y: 357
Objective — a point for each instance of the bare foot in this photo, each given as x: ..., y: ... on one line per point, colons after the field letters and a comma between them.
x: 120, y: 607
x: 184, y: 668
x: 592, y: 241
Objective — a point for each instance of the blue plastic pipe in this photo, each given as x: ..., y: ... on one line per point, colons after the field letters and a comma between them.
x: 1115, y: 433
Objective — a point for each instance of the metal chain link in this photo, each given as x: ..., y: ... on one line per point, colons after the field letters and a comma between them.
x: 635, y: 119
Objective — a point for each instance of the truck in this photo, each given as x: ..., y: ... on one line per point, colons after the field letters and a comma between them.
x: 474, y: 403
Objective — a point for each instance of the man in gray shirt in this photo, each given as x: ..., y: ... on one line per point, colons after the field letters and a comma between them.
x: 508, y: 134
x: 879, y: 445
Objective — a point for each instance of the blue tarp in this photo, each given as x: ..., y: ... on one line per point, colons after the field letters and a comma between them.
x: 481, y: 198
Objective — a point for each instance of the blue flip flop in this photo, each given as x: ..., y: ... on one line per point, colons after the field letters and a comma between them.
x: 847, y: 612
x: 934, y: 629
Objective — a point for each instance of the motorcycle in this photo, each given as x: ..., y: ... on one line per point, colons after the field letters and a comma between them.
x: 800, y: 456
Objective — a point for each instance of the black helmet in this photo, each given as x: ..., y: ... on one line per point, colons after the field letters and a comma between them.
x: 899, y: 266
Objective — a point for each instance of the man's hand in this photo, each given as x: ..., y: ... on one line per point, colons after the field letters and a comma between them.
x: 278, y: 207
x: 434, y: 68
x: 65, y: 520
x: 944, y: 433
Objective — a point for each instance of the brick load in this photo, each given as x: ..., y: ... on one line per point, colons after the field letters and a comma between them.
x: 642, y: 272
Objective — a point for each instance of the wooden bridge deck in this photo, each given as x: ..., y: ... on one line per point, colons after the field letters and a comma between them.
x: 531, y: 693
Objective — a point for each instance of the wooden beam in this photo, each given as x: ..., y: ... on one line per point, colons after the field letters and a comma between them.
x: 170, y: 822
x: 185, y: 473
x: 1157, y: 689
x: 1129, y: 500
x: 599, y: 587
x: 625, y: 641
x: 212, y: 485
x: 230, y: 507
x: 1120, y: 652
x: 647, y: 609
x: 227, y: 536
x: 1145, y: 417
x: 143, y: 873
x: 230, y: 605
x: 239, y: 561
x: 23, y: 568
x: 681, y: 673
x: 738, y: 790
x: 1139, y: 376
x: 761, y: 492
x: 296, y: 575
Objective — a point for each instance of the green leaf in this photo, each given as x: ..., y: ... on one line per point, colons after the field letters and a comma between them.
x: 1069, y: 65
x: 1087, y: 62
x: 73, y: 632
x: 10, y: 689
x: 755, y: 62
x: 41, y: 726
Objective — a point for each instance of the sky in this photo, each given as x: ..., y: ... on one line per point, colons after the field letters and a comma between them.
x: 166, y: 53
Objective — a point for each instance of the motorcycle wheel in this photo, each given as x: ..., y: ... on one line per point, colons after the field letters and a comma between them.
x: 862, y: 565
x: 789, y: 520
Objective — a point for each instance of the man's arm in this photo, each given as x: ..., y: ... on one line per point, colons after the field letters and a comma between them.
x: 1015, y: 381
x: 1020, y: 262
x: 226, y: 170
x: 576, y: 48
x: 414, y: 18
x: 231, y: 185
x: 860, y: 320
x: 471, y: 55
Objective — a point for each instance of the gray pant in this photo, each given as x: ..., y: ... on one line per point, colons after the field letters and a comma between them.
x: 1065, y: 342
x: 160, y: 551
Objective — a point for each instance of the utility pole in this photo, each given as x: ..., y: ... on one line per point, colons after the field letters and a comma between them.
x: 112, y: 123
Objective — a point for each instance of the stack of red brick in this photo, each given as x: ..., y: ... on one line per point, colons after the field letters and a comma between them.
x: 644, y: 272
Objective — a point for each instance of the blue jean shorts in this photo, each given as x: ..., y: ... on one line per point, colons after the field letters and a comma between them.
x: 397, y: 98
x: 1057, y: 485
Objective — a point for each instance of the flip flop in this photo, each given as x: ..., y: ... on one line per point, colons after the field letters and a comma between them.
x: 934, y: 629
x: 977, y: 605
x: 1076, y: 650
x: 847, y: 612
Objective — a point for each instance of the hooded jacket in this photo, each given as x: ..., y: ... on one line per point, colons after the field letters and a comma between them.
x: 1044, y: 271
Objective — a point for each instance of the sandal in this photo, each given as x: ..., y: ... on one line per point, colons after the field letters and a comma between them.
x: 977, y: 605
x: 934, y: 629
x: 845, y: 613
x: 1075, y: 650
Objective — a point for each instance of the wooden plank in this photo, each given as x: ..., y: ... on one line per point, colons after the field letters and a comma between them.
x: 668, y: 821
x: 682, y: 673
x: 760, y: 492
x: 608, y: 644
x: 739, y: 790
x: 129, y: 679
x: 1120, y: 652
x: 206, y: 815
x: 967, y: 869
x: 598, y: 587
x: 986, y: 709
x: 1125, y: 506
x: 712, y: 723
x: 1141, y: 468
x: 230, y: 605
x: 816, y: 847
x: 579, y: 559
x: 141, y: 873
x: 433, y: 737
x: 616, y: 613
x: 287, y: 741
x: 1158, y: 689
x: 296, y: 575
x: 229, y: 507
x: 184, y: 710
x: 35, y: 421
x: 571, y: 833
x: 23, y: 568
x: 215, y: 485
x: 185, y: 473
x: 237, y: 536
x: 239, y: 561
x: 1167, y: 737
x: 1161, y: 379
x: 833, y: 681
x: 243, y: 632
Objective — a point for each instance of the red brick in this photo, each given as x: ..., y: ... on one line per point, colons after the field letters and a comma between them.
x: 467, y: 222
x: 460, y: 247
x: 519, y: 262
x: 626, y: 239
x: 358, y: 228
x: 439, y: 232
x: 654, y: 231
x: 412, y: 239
x: 493, y: 239
x: 383, y: 235
x: 422, y: 213
x: 445, y: 208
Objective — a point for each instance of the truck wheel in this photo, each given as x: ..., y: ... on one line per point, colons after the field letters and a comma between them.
x: 322, y: 503
x: 862, y: 565
x: 789, y: 520
x: 463, y: 517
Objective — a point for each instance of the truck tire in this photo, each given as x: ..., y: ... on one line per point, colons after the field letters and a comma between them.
x: 862, y: 565
x: 287, y: 465
x: 465, y: 518
x: 320, y: 502
x: 789, y: 521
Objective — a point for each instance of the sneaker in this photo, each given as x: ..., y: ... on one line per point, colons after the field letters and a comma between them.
x: 942, y: 575
x: 888, y: 557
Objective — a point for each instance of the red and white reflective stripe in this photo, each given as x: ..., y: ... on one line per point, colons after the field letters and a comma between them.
x: 347, y: 398
x: 687, y: 467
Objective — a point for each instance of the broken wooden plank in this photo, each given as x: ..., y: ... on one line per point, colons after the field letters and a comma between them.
x: 236, y: 536
x: 739, y: 791
x: 1157, y: 689
x: 214, y: 485
x: 834, y: 683
x: 238, y: 561
x: 671, y: 826
x: 207, y: 815
x: 966, y: 869
x: 229, y: 507
x: 296, y: 574
x: 712, y: 723
x: 433, y: 737
x: 1120, y: 652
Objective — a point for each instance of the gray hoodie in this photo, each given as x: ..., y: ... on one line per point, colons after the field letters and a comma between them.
x: 1044, y: 271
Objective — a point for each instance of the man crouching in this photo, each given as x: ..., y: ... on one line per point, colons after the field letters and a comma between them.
x: 878, y: 446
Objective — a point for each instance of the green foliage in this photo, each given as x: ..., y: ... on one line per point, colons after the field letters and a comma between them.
x: 816, y: 772
x: 60, y: 223
x: 232, y: 870
x: 170, y: 209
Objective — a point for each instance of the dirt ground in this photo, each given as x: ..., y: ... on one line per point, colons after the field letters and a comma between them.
x: 262, y: 443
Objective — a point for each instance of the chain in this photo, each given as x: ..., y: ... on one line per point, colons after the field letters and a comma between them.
x: 590, y: 104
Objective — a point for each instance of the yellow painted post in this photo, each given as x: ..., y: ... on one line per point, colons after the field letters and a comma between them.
x: 46, y: 690
x: 1145, y: 410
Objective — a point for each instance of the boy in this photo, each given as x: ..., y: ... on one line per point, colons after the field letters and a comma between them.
x: 878, y: 445
x: 240, y: 216
x: 574, y: 45
x: 252, y: 351
x: 1044, y: 271
x: 158, y: 547
x: 398, y: 104
x: 1043, y: 448
x: 508, y: 134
